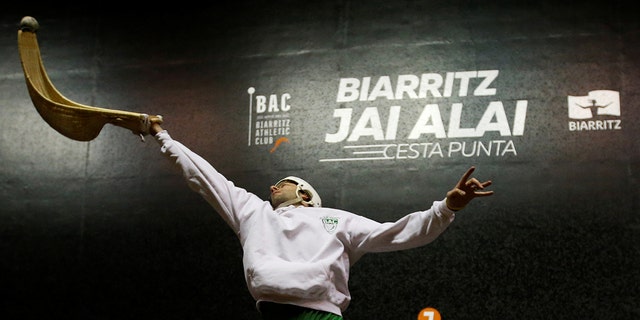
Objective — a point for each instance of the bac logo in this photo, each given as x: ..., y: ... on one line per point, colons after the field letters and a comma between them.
x: 429, y: 314
x: 272, y: 124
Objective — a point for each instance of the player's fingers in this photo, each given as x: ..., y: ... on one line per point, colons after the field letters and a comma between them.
x: 473, y: 182
x: 486, y: 183
x: 483, y: 193
x: 466, y: 176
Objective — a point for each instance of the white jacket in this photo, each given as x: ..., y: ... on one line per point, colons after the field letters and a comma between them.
x: 301, y: 255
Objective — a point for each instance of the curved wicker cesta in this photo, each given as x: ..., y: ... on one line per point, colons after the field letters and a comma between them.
x: 73, y: 120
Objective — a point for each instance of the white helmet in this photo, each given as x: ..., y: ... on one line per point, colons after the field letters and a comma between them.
x: 302, y: 186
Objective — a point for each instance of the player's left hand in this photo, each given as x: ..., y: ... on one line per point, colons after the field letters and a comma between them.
x: 467, y: 189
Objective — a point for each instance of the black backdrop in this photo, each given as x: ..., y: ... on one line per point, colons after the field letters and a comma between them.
x: 107, y: 229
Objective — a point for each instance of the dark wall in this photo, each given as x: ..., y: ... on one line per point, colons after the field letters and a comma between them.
x: 107, y: 229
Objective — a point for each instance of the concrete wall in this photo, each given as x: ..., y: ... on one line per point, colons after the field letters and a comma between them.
x: 107, y: 229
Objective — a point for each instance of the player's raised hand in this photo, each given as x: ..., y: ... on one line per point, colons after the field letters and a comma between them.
x: 467, y: 189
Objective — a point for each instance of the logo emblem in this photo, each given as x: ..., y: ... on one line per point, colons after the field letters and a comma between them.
x: 595, y: 103
x: 330, y: 224
x: 598, y: 110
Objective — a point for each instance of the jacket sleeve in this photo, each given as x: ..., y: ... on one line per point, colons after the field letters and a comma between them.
x: 411, y: 231
x: 231, y: 202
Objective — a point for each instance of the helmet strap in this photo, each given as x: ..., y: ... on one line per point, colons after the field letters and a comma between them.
x: 290, y: 202
x: 298, y: 199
